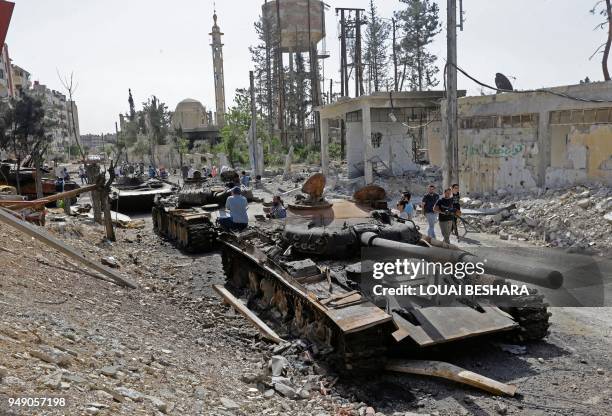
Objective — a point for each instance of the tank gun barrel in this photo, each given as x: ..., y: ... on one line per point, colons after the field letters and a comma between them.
x: 540, y: 276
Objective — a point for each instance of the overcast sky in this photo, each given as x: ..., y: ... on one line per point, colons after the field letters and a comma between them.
x: 162, y: 47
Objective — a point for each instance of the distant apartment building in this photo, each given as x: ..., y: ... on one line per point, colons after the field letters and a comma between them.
x: 21, y: 80
x: 59, y: 115
x: 94, y: 143
x: 6, y: 76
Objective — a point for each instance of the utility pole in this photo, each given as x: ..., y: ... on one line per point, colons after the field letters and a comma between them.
x: 267, y: 30
x: 344, y: 75
x: 254, y: 149
x: 451, y: 174
x: 314, y: 80
x: 358, y: 63
x: 343, y: 90
x: 395, y: 80
x: 281, y: 77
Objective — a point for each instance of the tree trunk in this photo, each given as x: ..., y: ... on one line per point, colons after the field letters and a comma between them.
x: 105, y: 202
x: 39, y: 187
x: 67, y: 205
x: 606, y: 53
x: 108, y: 219
x: 93, y: 173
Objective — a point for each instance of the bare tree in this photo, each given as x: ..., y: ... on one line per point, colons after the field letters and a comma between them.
x: 93, y: 169
x: 604, y: 8
x: 70, y: 87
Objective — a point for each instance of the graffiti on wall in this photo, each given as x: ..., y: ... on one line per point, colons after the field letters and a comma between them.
x: 495, y: 150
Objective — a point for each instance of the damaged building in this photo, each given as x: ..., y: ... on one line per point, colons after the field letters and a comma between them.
x: 383, y: 132
x: 519, y: 141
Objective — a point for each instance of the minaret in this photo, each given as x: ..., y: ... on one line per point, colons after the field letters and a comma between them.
x: 217, y: 48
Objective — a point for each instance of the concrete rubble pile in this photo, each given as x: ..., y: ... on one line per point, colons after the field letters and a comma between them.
x: 579, y: 218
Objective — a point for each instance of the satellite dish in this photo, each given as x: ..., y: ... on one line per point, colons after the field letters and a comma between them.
x: 502, y: 82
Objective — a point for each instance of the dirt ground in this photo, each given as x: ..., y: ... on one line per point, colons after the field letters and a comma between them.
x: 171, y: 347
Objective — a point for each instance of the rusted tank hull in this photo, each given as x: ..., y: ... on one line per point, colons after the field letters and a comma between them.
x: 190, y: 230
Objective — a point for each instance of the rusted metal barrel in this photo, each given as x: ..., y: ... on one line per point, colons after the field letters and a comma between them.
x: 540, y: 276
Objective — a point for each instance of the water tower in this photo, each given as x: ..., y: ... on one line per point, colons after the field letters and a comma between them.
x: 301, y: 22
x: 296, y: 26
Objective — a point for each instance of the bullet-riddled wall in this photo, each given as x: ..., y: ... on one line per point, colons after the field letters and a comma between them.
x: 519, y: 141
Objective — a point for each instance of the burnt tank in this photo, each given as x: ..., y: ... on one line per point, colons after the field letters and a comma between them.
x: 312, y: 275
x: 201, y: 190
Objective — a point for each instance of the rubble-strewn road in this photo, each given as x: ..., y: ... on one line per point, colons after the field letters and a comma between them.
x: 172, y: 347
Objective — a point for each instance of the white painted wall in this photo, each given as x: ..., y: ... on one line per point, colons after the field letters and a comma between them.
x: 354, y: 149
x: 395, y: 150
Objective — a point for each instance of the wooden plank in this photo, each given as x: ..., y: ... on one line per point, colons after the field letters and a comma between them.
x: 451, y: 372
x: 41, y: 235
x: 47, y: 200
x: 265, y: 330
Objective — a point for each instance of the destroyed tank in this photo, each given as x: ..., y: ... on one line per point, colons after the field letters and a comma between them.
x: 305, y: 275
x: 201, y: 191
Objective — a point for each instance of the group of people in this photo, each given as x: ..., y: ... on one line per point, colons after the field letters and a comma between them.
x: 444, y: 210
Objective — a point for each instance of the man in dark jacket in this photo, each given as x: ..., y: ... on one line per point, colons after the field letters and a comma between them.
x: 446, y: 213
x: 429, y: 202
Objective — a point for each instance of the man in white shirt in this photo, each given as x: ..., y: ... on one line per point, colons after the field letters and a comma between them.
x: 237, y: 205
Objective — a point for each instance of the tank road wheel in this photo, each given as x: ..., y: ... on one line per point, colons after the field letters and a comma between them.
x: 529, y: 311
x: 532, y: 315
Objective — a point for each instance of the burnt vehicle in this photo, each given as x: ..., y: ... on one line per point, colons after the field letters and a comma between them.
x: 27, y: 179
x: 314, y: 271
x: 311, y: 274
x: 137, y: 193
x: 200, y: 190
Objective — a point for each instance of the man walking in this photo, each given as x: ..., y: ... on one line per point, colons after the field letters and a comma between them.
x: 429, y: 202
x: 82, y: 174
x: 446, y: 213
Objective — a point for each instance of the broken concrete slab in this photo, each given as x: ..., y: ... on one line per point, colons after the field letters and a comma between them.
x: 278, y: 365
x: 287, y: 391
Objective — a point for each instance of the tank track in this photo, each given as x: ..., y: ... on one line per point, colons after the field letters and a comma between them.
x: 355, y: 353
x: 195, y: 237
x: 532, y: 316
